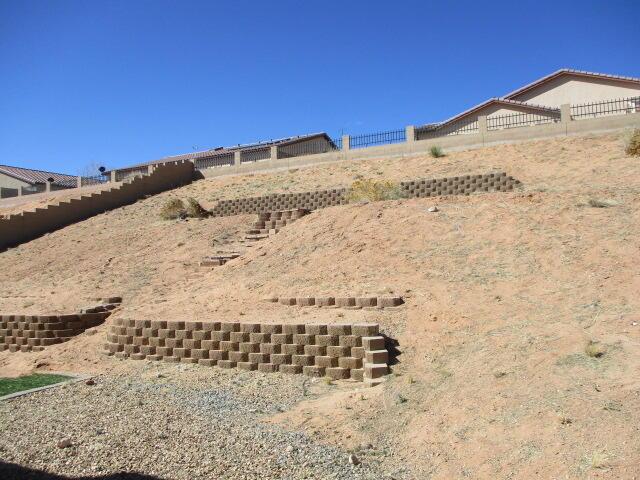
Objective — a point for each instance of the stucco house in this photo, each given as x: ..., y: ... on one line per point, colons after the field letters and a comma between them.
x: 540, y: 102
x: 15, y: 181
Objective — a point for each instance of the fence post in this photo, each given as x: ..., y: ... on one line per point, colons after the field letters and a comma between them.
x: 565, y: 112
x: 113, y: 175
x: 20, y: 191
x: 150, y: 169
x: 47, y: 187
x: 346, y: 142
x: 237, y: 158
x: 78, y: 181
x: 482, y: 125
x: 274, y: 152
x: 410, y: 132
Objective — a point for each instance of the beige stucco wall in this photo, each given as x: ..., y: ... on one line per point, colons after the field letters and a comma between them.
x: 9, y: 182
x: 571, y: 89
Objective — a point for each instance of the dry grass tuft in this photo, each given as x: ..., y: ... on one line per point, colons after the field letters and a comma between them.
x: 374, y: 191
x: 595, y: 203
x: 436, y: 152
x: 632, y: 146
x: 195, y: 210
x: 173, y: 209
x: 595, y: 349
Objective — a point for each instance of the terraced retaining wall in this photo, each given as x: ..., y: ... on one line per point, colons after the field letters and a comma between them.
x: 343, y: 351
x: 461, y: 185
x: 373, y: 302
x: 34, y: 332
x: 28, y: 225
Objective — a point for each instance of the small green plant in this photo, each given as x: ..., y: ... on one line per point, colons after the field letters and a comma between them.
x: 173, y: 209
x: 595, y: 349
x: 436, y: 152
x: 13, y: 385
x: 632, y: 146
x: 195, y: 210
x: 374, y: 191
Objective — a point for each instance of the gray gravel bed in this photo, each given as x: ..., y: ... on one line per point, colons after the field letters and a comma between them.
x: 173, y: 422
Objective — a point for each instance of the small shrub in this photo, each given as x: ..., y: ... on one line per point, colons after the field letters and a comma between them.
x: 436, y: 152
x: 195, y: 210
x: 633, y: 144
x: 595, y: 349
x: 374, y: 191
x: 173, y: 209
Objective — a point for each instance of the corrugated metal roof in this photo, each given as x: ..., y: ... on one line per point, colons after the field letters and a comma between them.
x: 32, y: 176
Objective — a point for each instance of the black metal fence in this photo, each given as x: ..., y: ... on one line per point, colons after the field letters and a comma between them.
x: 213, y: 161
x: 131, y: 172
x: 608, y: 107
x: 515, y: 120
x: 255, y: 154
x: 93, y: 180
x: 462, y: 127
x: 378, y: 138
x: 32, y: 189
x: 8, y: 192
x: 307, y: 147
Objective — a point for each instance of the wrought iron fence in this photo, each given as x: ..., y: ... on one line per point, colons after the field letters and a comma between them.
x: 255, y: 154
x: 93, y: 180
x: 307, y: 147
x: 212, y: 161
x: 32, y: 189
x: 8, y: 192
x: 379, y: 138
x: 462, y: 127
x: 515, y: 120
x: 131, y: 172
x: 608, y: 107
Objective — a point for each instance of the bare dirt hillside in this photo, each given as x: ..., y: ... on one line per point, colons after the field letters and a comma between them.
x: 504, y: 292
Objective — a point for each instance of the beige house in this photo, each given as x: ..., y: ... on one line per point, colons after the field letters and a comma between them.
x: 541, y: 102
x: 16, y: 181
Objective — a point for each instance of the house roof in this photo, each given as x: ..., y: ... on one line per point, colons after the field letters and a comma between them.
x: 491, y: 101
x: 32, y: 176
x: 569, y: 72
x: 281, y: 142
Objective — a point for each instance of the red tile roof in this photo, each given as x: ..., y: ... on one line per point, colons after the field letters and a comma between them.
x: 32, y: 177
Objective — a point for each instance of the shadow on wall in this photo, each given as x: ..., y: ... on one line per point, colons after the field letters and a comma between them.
x: 11, y: 471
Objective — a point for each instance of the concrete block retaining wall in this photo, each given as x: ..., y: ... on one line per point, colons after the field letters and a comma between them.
x: 461, y: 185
x: 367, y: 301
x: 34, y: 332
x: 343, y: 351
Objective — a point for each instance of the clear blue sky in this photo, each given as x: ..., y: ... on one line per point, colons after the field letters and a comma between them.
x: 117, y: 82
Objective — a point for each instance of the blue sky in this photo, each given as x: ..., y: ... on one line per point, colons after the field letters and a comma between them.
x: 118, y: 82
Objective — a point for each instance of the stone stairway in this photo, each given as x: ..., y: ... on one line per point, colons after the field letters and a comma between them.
x: 267, y: 224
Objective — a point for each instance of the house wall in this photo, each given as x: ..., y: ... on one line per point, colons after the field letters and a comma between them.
x: 574, y: 90
x: 9, y: 182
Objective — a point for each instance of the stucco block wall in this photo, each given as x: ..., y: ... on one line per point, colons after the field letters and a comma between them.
x: 29, y: 225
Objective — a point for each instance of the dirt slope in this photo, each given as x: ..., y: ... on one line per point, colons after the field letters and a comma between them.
x: 504, y: 291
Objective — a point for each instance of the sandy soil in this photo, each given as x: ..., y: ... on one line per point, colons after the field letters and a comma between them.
x: 503, y: 290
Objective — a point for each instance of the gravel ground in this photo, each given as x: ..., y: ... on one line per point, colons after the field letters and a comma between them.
x: 175, y: 422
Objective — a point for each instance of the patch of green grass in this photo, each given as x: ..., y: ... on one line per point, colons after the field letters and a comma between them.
x: 13, y: 385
